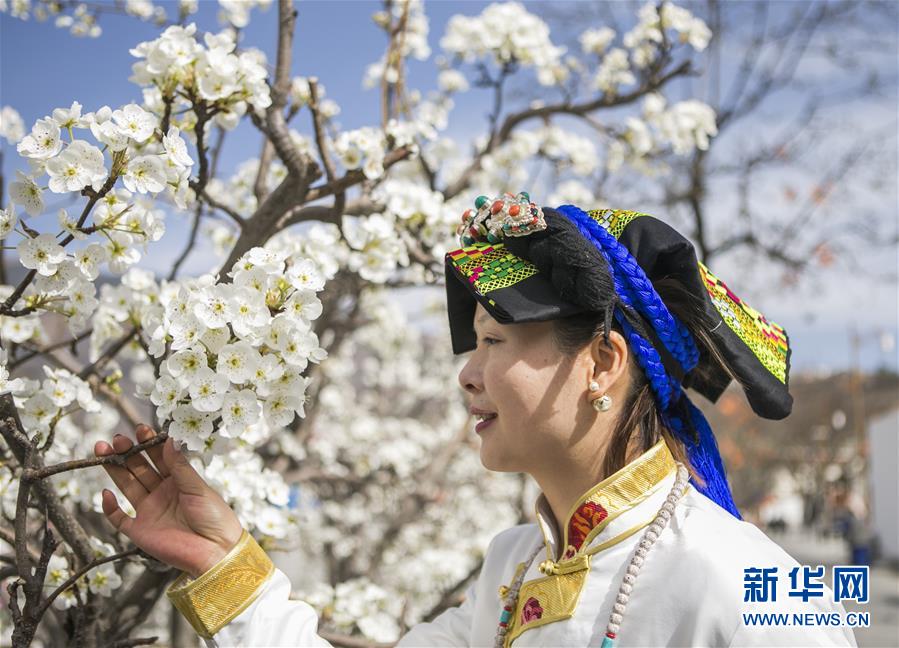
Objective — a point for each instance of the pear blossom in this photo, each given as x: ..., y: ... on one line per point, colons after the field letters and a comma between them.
x: 215, y: 338
x: 240, y: 409
x: 186, y: 331
x: 212, y: 309
x: 304, y: 274
x: 104, y: 579
x: 37, y: 414
x: 78, y: 166
x: 238, y: 362
x: 106, y: 130
x: 207, y: 390
x: 43, y: 142
x: 166, y: 394
x: 12, y: 128
x: 69, y: 118
x: 185, y: 365
x: 249, y: 312
x: 303, y: 305
x: 503, y: 32
x: 41, y: 253
x: 614, y: 71
x: 595, y: 41
x: 8, y: 221
x: 135, y: 122
x: 89, y: 258
x: 176, y: 148
x: 26, y: 192
x: 190, y: 427
x: 452, y: 81
x: 280, y: 408
x: 145, y: 174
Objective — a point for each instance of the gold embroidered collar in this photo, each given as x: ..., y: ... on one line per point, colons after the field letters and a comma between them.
x: 605, y: 501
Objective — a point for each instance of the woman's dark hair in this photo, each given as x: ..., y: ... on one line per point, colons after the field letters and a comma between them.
x: 640, y: 424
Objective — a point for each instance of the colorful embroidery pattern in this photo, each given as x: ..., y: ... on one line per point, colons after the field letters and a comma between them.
x: 614, y: 220
x: 491, y: 267
x: 587, y: 516
x: 531, y: 611
x: 765, y: 339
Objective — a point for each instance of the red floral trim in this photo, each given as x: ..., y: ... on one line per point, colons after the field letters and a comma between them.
x: 531, y: 611
x: 585, y: 519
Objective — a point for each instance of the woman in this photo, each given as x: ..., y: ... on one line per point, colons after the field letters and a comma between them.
x: 583, y: 330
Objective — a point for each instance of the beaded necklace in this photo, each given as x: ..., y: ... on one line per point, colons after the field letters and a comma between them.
x: 630, y: 577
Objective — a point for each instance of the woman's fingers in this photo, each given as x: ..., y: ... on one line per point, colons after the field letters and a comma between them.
x: 137, y: 464
x: 145, y: 433
x: 116, y: 516
x: 187, y: 480
x: 127, y: 483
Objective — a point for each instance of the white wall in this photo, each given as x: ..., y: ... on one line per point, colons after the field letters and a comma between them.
x: 883, y: 438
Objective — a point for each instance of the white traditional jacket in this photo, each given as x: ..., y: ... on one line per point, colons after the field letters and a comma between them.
x: 690, y: 591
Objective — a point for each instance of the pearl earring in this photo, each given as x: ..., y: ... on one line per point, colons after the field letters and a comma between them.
x: 593, y: 386
x: 603, y: 403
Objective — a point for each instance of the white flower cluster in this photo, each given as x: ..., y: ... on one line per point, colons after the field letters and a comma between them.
x: 572, y: 192
x: 504, y: 166
x: 357, y: 604
x: 614, y: 71
x: 378, y: 250
x: 237, y: 12
x: 82, y: 20
x: 102, y: 580
x: 12, y: 128
x: 65, y: 282
x: 506, y: 33
x: 300, y: 96
x: 595, y: 41
x: 647, y: 34
x: 568, y: 148
x: 321, y: 243
x: 175, y: 65
x: 43, y: 404
x: 685, y: 126
x: 238, y: 350
x: 145, y: 166
x: 259, y: 496
x: 414, y: 41
x: 362, y: 148
x: 421, y: 211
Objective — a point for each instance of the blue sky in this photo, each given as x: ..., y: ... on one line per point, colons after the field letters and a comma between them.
x: 42, y: 67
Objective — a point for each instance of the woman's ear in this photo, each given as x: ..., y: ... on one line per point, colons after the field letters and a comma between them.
x: 610, y: 361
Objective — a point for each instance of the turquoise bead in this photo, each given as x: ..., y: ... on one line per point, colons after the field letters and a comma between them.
x: 480, y: 201
x: 505, y: 616
x: 525, y: 195
x: 608, y: 643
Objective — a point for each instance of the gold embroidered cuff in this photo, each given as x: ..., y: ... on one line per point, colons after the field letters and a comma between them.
x: 225, y: 590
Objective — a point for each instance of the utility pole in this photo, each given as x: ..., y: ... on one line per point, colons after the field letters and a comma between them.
x: 857, y: 396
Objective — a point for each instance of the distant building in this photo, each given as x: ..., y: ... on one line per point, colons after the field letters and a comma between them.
x: 883, y: 473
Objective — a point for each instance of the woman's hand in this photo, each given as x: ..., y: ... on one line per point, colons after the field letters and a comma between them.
x: 180, y: 519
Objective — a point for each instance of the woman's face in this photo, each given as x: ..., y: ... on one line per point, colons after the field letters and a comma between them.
x: 538, y: 394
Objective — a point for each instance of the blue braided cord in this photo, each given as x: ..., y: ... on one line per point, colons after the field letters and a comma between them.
x: 703, y: 454
x: 705, y: 457
x: 650, y: 361
x: 640, y: 293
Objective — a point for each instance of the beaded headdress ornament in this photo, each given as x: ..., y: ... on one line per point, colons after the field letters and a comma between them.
x: 569, y: 261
